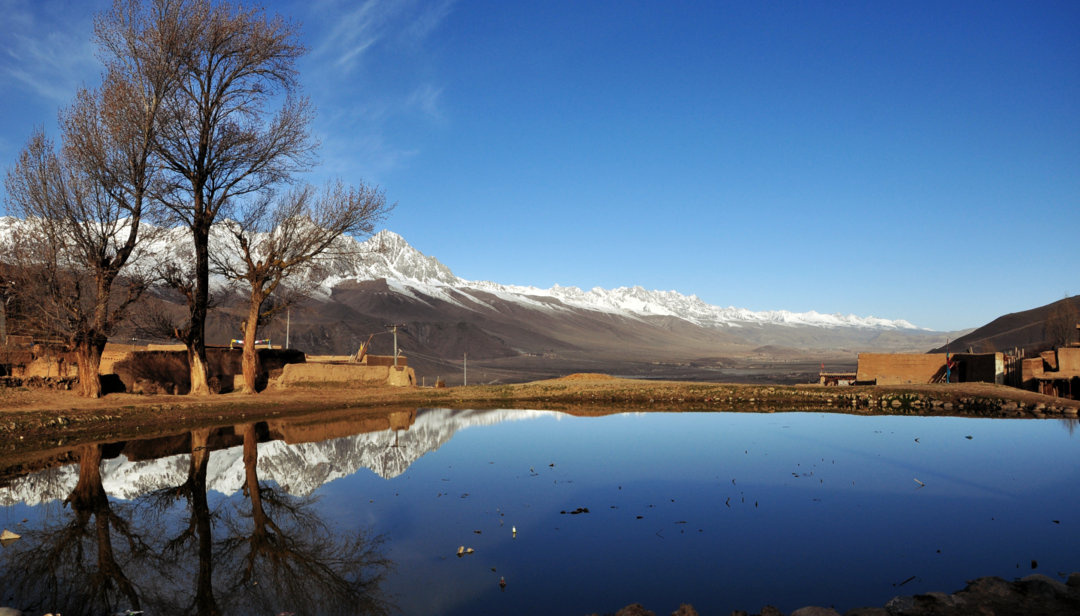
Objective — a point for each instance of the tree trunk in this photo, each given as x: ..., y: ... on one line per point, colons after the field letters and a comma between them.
x: 200, y: 509
x: 196, y: 339
x: 251, y: 475
x: 88, y: 357
x: 89, y: 497
x: 200, y: 384
x: 107, y: 565
x: 89, y: 487
x: 251, y: 356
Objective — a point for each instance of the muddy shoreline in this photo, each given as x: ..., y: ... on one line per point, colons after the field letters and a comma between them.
x: 34, y: 421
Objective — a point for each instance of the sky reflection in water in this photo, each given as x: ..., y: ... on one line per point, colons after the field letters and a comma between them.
x: 736, y: 510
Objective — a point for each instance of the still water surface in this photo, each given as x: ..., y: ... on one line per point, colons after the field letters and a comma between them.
x: 724, y: 511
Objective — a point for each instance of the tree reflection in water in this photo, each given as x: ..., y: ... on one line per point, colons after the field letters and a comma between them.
x: 70, y: 565
x: 175, y: 568
x: 265, y: 552
x: 281, y: 555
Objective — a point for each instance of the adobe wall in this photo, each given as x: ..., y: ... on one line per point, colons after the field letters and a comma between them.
x: 385, y: 360
x: 1068, y: 360
x: 402, y: 376
x: 910, y: 369
x: 900, y: 369
x: 346, y: 375
x: 46, y: 367
x: 170, y: 369
x: 1030, y: 371
x: 109, y: 359
x: 26, y: 363
x: 1050, y: 357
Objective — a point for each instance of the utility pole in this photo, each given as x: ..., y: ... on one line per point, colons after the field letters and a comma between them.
x: 288, y: 319
x: 394, y: 329
x: 466, y: 366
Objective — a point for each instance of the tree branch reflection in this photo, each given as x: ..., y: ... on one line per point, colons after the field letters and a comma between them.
x: 282, y: 555
x: 70, y: 564
x: 180, y: 550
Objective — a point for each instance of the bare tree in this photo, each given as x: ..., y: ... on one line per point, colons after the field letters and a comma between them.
x: 83, y: 207
x: 219, y: 142
x: 277, y: 244
x: 1060, y: 326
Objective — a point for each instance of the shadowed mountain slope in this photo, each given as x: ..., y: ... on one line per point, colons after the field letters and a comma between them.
x: 1023, y: 330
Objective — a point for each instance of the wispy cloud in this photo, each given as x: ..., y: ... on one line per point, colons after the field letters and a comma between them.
x: 369, y: 157
x: 359, y: 29
x: 426, y: 99
x: 45, y: 49
x: 428, y: 19
x: 371, y: 69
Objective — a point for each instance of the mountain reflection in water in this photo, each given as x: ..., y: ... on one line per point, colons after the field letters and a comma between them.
x: 298, y: 454
x: 725, y: 511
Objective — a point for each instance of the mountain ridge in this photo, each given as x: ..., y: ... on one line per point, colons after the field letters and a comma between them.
x: 402, y: 265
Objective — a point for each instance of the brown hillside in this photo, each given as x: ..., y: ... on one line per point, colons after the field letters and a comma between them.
x: 1017, y: 330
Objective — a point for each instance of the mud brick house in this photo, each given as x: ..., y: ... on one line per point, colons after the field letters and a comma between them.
x: 912, y: 369
x: 1054, y: 373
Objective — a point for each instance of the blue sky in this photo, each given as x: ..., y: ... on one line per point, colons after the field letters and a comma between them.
x: 902, y: 160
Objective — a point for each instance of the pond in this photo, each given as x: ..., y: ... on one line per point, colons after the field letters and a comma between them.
x: 346, y: 513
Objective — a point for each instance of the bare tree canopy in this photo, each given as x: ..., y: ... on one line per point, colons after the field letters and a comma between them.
x: 219, y: 142
x: 278, y: 243
x: 82, y: 207
x: 200, y: 124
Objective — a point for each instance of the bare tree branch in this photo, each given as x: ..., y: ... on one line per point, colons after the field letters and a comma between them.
x: 277, y: 245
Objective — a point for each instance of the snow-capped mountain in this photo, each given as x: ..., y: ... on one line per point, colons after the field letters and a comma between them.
x: 387, y: 255
x: 299, y: 469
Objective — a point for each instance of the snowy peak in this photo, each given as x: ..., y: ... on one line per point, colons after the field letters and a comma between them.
x: 389, y: 256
